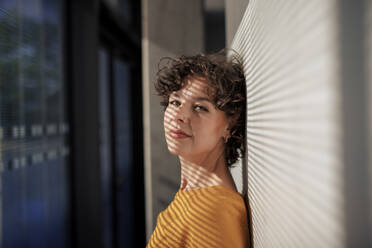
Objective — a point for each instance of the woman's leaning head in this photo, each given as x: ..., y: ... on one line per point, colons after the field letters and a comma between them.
x: 204, y: 97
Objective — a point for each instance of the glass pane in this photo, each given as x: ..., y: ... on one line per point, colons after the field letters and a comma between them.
x: 33, y: 126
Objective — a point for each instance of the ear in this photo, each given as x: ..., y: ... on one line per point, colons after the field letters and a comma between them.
x: 226, y: 131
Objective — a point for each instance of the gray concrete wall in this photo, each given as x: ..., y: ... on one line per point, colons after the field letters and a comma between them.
x: 170, y: 28
x: 233, y: 13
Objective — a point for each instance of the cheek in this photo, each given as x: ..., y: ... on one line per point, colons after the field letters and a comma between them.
x: 214, y: 127
x: 167, y: 119
x: 208, y: 132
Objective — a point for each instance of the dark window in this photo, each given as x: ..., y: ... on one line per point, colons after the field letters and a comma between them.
x: 124, y: 153
x: 33, y: 126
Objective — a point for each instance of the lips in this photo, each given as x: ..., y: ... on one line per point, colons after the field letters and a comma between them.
x: 179, y: 134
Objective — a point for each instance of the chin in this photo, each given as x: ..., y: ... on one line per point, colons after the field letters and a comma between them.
x: 173, y: 151
x: 173, y: 148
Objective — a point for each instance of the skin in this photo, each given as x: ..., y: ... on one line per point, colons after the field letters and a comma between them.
x: 195, y: 130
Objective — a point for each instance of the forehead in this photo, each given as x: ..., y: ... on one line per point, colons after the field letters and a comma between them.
x: 194, y: 87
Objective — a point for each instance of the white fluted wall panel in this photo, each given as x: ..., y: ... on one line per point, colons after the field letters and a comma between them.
x: 294, y: 133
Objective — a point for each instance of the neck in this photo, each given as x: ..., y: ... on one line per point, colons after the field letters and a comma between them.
x: 201, y: 173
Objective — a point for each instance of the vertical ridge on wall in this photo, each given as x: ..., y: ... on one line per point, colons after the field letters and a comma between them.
x: 369, y: 93
x: 294, y: 135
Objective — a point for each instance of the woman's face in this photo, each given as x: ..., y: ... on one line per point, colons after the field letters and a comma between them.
x: 193, y: 126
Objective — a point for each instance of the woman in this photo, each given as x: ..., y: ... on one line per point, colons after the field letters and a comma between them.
x: 204, y: 99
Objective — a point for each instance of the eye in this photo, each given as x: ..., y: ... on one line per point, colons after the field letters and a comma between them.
x: 200, y: 107
x: 175, y: 102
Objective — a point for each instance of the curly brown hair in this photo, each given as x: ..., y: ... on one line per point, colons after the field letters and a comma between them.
x: 225, y: 77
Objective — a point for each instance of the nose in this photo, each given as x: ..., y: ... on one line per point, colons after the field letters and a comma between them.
x: 181, y: 114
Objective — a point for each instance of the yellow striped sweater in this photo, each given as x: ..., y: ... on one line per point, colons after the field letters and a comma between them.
x: 208, y: 217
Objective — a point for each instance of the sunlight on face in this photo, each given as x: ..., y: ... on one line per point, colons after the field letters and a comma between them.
x: 193, y: 126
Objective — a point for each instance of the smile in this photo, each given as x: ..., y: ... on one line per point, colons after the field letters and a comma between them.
x: 179, y: 134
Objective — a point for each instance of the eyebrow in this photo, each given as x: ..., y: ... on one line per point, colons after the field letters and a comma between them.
x: 202, y: 99
x: 198, y: 98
